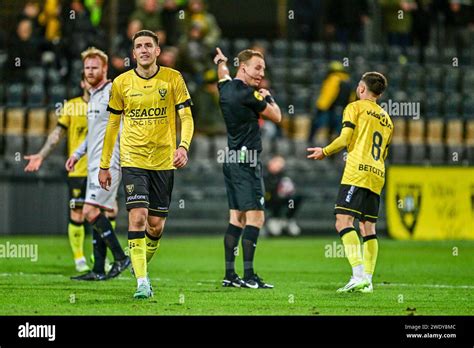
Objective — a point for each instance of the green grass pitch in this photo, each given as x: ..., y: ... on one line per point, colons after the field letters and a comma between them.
x: 412, y: 278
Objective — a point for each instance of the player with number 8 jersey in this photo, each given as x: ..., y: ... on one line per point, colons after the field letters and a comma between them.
x: 366, y: 133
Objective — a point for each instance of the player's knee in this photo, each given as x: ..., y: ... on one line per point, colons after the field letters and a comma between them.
x: 157, y: 227
x: 76, y: 215
x: 137, y: 219
x: 90, y: 213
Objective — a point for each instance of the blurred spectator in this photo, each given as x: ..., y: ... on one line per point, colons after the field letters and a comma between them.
x: 194, y: 55
x: 49, y: 19
x: 281, y: 199
x: 95, y: 9
x: 78, y: 31
x: 197, y: 14
x: 346, y: 20
x: 24, y: 51
x: 122, y: 45
x: 459, y: 25
x: 307, y: 19
x: 169, y: 16
x: 168, y: 56
x: 149, y: 13
x: 398, y: 21
x: 208, y: 118
x: 422, y: 20
x: 31, y: 11
x: 336, y: 92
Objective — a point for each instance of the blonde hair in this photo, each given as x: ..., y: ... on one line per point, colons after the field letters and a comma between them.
x: 92, y: 52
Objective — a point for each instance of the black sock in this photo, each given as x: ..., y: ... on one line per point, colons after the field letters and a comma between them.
x: 249, y: 244
x: 100, y: 252
x: 231, y: 242
x: 106, y: 231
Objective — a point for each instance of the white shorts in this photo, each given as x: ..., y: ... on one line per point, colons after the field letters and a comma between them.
x: 96, y: 195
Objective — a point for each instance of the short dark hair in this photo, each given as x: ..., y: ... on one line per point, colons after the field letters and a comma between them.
x: 247, y: 54
x: 146, y: 33
x: 375, y: 81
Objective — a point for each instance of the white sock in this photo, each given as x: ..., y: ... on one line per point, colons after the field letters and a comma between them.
x: 141, y: 281
x: 80, y: 260
x: 369, y: 277
x: 358, y: 271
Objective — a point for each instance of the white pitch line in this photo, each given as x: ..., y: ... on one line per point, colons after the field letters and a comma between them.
x: 202, y: 282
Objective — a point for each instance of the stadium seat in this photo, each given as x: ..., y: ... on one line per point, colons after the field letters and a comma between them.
x: 452, y: 105
x: 448, y: 53
x: 2, y: 93
x: 36, y: 122
x: 433, y: 75
x: 394, y: 53
x: 57, y: 94
x: 299, y: 49
x: 15, y: 95
x: 36, y: 75
x: 15, y: 121
x: 280, y: 48
x: 2, y: 128
x: 318, y: 50
x: 454, y: 140
x: 416, y: 140
x: 301, y: 98
x: 201, y: 147
x: 74, y: 91
x: 431, y: 55
x: 34, y: 143
x: 356, y: 50
x: 467, y: 106
x: 284, y: 147
x: 374, y: 53
x: 413, y: 80
x: 300, y: 73
x: 220, y: 142
x: 54, y: 76
x: 451, y: 81
x: 225, y: 46
x: 468, y: 81
x: 240, y: 45
x: 52, y: 120
x: 337, y: 51
x: 36, y: 96
x: 301, y: 126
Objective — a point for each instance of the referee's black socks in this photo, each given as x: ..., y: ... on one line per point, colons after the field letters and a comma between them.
x: 249, y: 244
x: 231, y: 244
x: 103, y: 226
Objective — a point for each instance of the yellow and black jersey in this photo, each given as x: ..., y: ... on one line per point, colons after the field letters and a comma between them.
x: 148, y: 107
x: 367, y: 149
x: 73, y: 118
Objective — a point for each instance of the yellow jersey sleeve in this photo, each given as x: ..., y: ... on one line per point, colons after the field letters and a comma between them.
x: 111, y: 133
x: 350, y: 116
x: 64, y: 119
x: 116, y: 104
x: 183, y: 105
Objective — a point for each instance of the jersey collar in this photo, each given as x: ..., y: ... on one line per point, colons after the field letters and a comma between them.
x: 147, y: 78
x: 101, y: 87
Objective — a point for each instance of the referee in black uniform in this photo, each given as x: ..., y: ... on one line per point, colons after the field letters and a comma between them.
x: 242, y: 103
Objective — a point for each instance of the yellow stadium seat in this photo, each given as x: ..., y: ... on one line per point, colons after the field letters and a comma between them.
x: 15, y: 121
x: 2, y: 121
x: 36, y: 121
x: 454, y: 132
x: 469, y: 132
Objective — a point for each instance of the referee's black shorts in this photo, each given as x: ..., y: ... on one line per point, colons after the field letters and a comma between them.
x: 149, y: 189
x: 358, y: 202
x: 244, y: 186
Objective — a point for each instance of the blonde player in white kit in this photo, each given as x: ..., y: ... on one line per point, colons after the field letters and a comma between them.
x: 97, y: 199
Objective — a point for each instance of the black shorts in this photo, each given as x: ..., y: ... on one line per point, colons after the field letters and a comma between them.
x: 244, y: 186
x: 149, y: 189
x: 77, y: 191
x: 359, y: 202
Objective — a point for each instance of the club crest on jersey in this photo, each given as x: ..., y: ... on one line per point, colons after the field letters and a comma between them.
x: 130, y: 188
x: 76, y: 192
x: 163, y: 92
x: 408, y: 200
x: 257, y: 95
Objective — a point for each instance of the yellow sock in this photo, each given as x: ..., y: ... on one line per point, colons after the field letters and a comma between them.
x: 76, y: 239
x: 352, y: 248
x: 371, y: 250
x: 152, y: 245
x: 137, y: 249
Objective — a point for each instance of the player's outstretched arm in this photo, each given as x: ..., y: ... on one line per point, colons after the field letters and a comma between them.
x: 337, y: 145
x: 36, y: 160
x: 272, y: 112
x: 221, y: 61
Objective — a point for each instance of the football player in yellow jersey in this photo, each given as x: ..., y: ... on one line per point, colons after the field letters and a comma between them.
x: 147, y: 100
x: 71, y: 123
x: 366, y: 133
